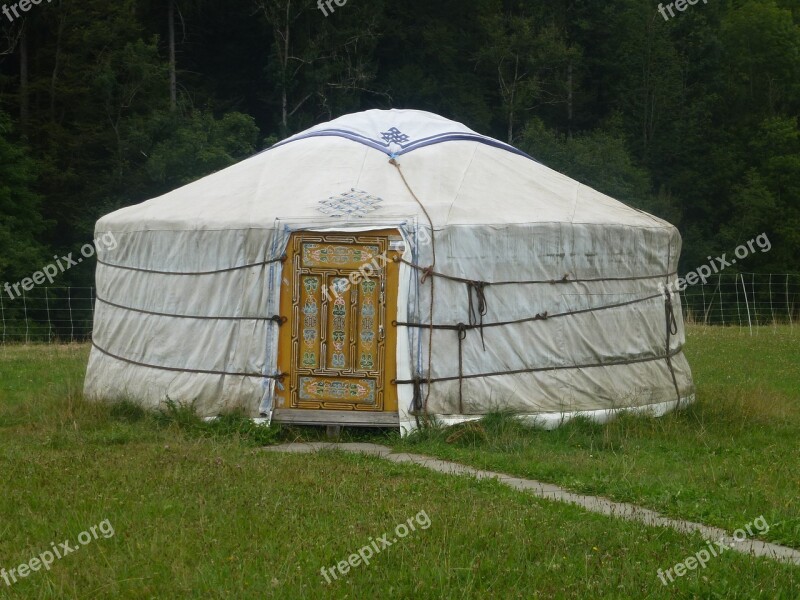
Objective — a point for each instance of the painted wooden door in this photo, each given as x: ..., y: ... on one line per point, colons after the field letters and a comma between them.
x: 338, y: 346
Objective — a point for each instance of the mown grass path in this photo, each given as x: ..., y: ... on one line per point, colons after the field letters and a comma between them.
x: 595, y: 504
x: 732, y: 456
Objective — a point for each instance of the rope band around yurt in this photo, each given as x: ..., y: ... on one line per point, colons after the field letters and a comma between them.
x: 262, y: 263
x: 278, y: 319
x: 614, y: 363
x: 539, y: 317
x: 278, y: 377
x: 566, y: 279
x: 463, y: 328
x: 478, y: 308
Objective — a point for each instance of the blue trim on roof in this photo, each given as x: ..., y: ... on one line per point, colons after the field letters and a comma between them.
x: 408, y: 147
x: 335, y: 133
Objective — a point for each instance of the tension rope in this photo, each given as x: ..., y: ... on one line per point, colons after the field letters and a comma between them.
x: 214, y: 272
x: 277, y: 377
x: 672, y: 326
x: 418, y: 403
x: 278, y: 319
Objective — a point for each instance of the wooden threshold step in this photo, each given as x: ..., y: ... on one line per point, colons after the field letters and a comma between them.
x: 336, y: 417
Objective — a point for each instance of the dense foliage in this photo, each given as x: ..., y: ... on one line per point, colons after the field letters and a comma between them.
x: 694, y: 118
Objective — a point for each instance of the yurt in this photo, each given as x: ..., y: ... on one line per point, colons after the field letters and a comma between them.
x: 387, y: 267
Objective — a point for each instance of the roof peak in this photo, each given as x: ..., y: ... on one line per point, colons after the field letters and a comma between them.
x: 397, y: 131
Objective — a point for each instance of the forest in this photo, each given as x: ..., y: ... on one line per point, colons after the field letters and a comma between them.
x: 693, y: 118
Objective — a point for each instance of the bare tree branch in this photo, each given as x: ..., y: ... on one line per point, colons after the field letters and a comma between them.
x: 12, y: 37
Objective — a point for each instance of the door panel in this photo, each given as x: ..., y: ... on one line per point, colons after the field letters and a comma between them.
x: 310, y: 301
x: 339, y: 293
x: 338, y: 323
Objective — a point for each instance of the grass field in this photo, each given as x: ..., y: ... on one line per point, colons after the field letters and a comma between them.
x: 732, y: 456
x: 201, y: 511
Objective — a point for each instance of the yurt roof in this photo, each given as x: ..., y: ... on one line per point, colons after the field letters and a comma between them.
x: 343, y: 172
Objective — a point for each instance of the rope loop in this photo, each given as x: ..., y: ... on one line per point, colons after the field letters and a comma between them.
x: 672, y: 322
x: 477, y: 287
x: 462, y: 335
x: 476, y: 314
x: 417, y: 399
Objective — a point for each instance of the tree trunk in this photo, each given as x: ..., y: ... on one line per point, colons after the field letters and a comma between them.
x: 569, y: 100
x: 56, y: 66
x: 285, y: 71
x: 24, y: 102
x: 512, y: 99
x: 173, y: 77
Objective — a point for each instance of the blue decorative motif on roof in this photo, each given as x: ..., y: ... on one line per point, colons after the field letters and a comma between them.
x: 394, y: 135
x: 355, y: 203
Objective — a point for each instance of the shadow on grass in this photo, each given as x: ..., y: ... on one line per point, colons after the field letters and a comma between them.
x: 236, y: 424
x: 183, y: 417
x: 505, y: 432
x: 722, y: 411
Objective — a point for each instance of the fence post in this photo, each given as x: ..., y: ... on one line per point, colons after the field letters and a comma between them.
x: 747, y: 304
x: 25, y: 314
x: 49, y: 322
x: 3, y: 316
x: 71, y: 321
x: 738, y: 303
x: 771, y: 307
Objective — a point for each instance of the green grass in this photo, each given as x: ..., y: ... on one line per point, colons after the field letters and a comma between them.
x: 200, y: 510
x: 732, y: 456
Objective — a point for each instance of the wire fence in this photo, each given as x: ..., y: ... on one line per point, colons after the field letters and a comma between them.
x: 50, y: 315
x: 746, y: 300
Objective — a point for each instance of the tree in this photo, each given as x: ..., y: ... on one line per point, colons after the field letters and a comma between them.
x: 601, y: 160
x: 21, y: 222
x: 762, y: 46
x: 319, y: 66
x: 532, y: 64
x: 195, y: 146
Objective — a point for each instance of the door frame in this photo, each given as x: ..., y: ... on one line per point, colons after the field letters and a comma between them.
x: 286, y: 390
